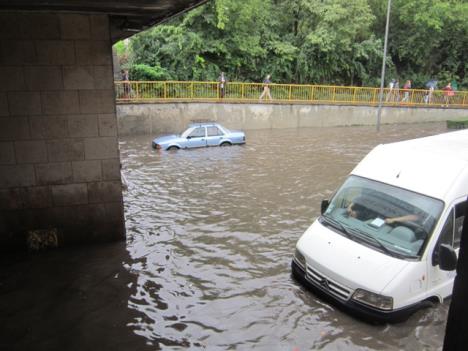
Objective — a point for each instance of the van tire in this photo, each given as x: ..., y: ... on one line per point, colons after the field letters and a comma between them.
x: 432, y: 301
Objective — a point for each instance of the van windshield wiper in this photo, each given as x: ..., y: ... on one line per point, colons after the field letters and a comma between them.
x: 352, y: 233
x: 335, y: 223
x: 377, y: 242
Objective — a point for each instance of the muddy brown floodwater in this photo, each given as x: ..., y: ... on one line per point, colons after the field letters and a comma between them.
x: 206, y: 264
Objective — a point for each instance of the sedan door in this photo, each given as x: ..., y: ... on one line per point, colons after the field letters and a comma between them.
x: 197, y: 138
x: 214, y: 136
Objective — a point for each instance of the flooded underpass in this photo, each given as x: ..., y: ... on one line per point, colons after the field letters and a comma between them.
x: 206, y: 264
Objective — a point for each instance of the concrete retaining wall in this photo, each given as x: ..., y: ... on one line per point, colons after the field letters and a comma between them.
x: 134, y: 119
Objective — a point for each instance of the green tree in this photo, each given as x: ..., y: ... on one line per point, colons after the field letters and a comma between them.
x: 338, y: 46
x: 307, y: 41
x: 430, y: 39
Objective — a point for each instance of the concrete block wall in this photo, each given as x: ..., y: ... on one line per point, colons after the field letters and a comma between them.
x: 59, y: 157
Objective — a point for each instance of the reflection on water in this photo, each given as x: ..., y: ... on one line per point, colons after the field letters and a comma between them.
x: 207, y: 259
x: 212, y: 232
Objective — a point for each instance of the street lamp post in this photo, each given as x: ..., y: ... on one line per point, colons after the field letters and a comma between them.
x: 382, y: 78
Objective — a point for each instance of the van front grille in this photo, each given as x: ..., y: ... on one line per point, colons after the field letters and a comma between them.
x: 327, y: 285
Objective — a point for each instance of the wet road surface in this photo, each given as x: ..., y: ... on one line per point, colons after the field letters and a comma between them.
x: 206, y: 264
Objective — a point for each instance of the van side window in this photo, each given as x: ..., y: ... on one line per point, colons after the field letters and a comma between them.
x: 460, y: 211
x: 451, y: 233
x: 452, y: 230
x: 446, y: 236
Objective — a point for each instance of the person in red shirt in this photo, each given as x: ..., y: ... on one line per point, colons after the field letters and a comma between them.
x: 448, y: 92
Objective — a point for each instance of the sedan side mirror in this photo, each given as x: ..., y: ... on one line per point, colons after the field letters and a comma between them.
x: 324, y: 206
x: 447, y: 258
x: 189, y: 137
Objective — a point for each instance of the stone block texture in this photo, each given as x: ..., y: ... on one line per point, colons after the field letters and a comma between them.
x: 59, y: 156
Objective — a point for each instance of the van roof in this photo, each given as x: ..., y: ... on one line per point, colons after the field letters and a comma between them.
x: 436, y: 166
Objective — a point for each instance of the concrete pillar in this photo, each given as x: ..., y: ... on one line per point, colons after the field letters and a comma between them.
x: 59, y: 156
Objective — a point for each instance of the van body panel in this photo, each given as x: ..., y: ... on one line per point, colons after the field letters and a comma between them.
x: 435, y: 165
x: 440, y: 283
x: 348, y: 262
x: 409, y: 286
x: 361, y: 310
x: 427, y: 173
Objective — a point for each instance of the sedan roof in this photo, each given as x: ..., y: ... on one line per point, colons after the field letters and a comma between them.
x: 205, y: 124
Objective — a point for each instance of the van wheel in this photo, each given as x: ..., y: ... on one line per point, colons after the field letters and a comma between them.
x: 170, y: 148
x: 225, y: 143
x: 432, y: 301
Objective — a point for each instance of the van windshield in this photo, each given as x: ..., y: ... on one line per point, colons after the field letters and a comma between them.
x: 393, y: 220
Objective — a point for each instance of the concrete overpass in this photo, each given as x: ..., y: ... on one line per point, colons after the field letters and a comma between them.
x: 59, y: 158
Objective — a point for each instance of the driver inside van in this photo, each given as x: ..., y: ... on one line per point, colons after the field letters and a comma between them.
x: 363, y: 213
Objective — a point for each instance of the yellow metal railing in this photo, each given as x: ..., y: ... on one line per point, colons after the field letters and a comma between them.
x: 165, y: 91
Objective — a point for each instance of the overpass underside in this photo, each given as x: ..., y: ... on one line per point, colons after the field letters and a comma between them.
x: 59, y: 157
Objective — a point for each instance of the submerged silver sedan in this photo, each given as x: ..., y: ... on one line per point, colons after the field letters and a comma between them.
x: 201, y: 134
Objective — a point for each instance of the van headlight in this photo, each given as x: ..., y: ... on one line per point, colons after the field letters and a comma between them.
x: 300, y: 259
x: 372, y: 299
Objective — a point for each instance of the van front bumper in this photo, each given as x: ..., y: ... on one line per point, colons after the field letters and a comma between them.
x: 360, y: 310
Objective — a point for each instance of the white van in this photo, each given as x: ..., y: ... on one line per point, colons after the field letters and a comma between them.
x: 386, y: 244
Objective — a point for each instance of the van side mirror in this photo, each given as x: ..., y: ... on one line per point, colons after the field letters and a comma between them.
x: 189, y: 137
x: 324, y: 206
x: 447, y: 258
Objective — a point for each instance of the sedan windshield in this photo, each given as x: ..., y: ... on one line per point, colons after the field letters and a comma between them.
x: 392, y: 220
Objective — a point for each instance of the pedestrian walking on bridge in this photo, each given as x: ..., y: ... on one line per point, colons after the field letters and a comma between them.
x: 222, y: 85
x: 266, y: 88
x: 406, y: 91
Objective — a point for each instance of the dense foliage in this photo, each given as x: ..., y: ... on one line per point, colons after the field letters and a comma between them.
x: 306, y: 41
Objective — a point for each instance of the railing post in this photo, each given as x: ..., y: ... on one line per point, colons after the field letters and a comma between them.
x: 165, y: 90
x: 334, y: 94
x: 412, y: 96
x: 137, y: 88
x: 373, y: 96
x: 464, y: 98
x: 354, y: 94
x: 242, y: 91
x: 191, y: 90
x: 289, y: 96
x: 312, y: 91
